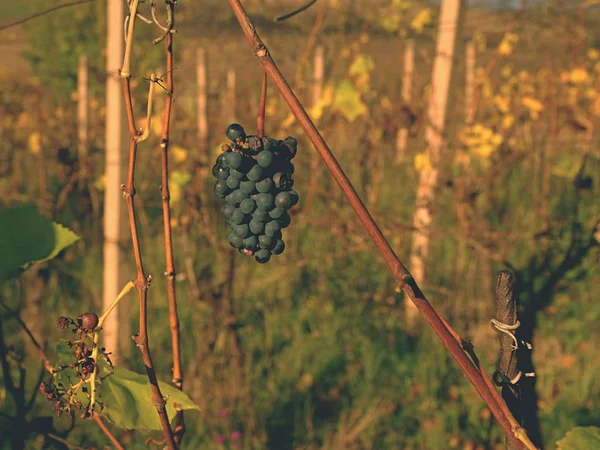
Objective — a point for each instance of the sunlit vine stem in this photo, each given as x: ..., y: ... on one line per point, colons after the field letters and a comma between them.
x: 142, y: 282
x: 399, y: 272
x: 166, y: 207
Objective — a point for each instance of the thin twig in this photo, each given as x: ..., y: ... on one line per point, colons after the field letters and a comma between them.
x: 107, y: 432
x: 65, y: 442
x: 260, y: 122
x: 399, y: 272
x: 142, y: 282
x: 37, y: 345
x: 170, y: 273
x: 42, y: 13
x: 298, y: 11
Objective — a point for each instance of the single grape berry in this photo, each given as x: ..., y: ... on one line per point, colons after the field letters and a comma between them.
x: 88, y: 321
x: 248, y: 186
x: 237, y: 216
x: 235, y: 131
x: 284, y: 220
x: 232, y: 182
x: 222, y: 173
x: 255, y: 173
x: 236, y: 174
x: 261, y: 215
x: 283, y: 200
x: 279, y: 247
x: 234, y: 160
x: 248, y: 206
x: 265, y: 185
x: 221, y: 188
x: 272, y: 227
x: 227, y: 211
x: 235, y: 240
x: 242, y: 230
x: 256, y: 226
x: 276, y: 212
x: 264, y: 158
x: 294, y: 196
x: 266, y: 242
x: 262, y: 256
x: 238, y: 196
x: 251, y: 243
x: 265, y: 201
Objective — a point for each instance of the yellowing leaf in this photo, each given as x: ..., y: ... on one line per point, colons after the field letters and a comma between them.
x: 421, y: 20
x: 326, y: 100
x: 507, y: 45
x: 593, y: 54
x: 348, y: 102
x: 177, y: 182
x: 361, y: 66
x: 534, y: 106
x: 179, y: 153
x: 34, y: 143
x: 579, y: 76
x: 502, y: 103
x: 422, y: 162
x: 507, y: 121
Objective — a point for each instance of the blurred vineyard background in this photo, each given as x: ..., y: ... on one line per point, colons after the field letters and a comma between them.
x: 313, y: 351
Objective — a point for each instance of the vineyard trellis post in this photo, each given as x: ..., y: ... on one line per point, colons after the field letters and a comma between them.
x: 82, y: 118
x: 436, y: 117
x: 407, y: 82
x: 115, y: 215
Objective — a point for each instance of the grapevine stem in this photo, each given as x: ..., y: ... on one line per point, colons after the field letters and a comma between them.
x: 142, y: 282
x: 399, y: 271
x: 128, y: 287
x: 170, y: 273
x: 260, y: 125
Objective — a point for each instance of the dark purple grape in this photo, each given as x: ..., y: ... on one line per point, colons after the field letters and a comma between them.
x: 262, y: 256
x: 256, y: 226
x: 248, y: 206
x: 265, y: 185
x: 235, y: 131
x: 279, y: 247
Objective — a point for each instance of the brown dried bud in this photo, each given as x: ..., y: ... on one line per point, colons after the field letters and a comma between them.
x: 63, y: 323
x: 58, y: 409
x: 88, y: 320
x: 51, y: 397
x: 88, y: 366
x: 46, y: 387
x: 255, y: 143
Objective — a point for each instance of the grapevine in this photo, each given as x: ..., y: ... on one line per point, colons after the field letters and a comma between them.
x: 254, y: 177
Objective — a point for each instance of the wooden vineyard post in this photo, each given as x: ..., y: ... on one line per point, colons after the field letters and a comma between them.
x: 436, y: 117
x: 407, y: 81
x: 82, y: 118
x: 231, y: 107
x: 202, y: 124
x: 470, y: 83
x: 506, y: 323
x: 115, y: 214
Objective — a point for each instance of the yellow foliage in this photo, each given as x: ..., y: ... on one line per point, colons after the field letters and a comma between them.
x: 326, y: 99
x: 34, y: 143
x: 502, y: 103
x: 506, y: 70
x: 533, y: 105
x: 507, y: 45
x: 421, y: 20
x: 480, y: 41
x: 507, y: 121
x: 385, y: 103
x: 579, y: 76
x: 481, y: 140
x: 422, y: 162
x: 593, y: 54
x: 179, y: 153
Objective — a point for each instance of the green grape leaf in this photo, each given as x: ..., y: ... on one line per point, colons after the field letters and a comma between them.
x: 580, y: 438
x: 27, y: 237
x: 127, y: 401
x: 347, y: 101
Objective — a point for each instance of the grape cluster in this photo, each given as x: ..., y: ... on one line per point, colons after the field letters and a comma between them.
x: 254, y: 176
